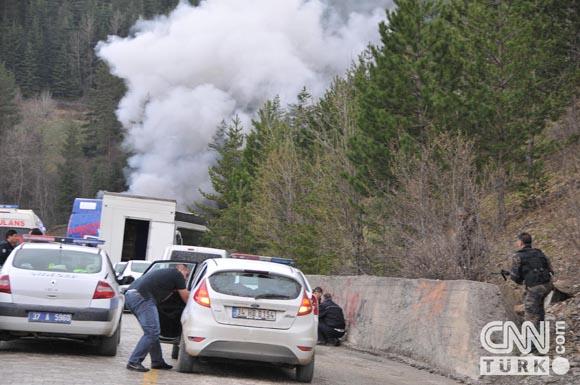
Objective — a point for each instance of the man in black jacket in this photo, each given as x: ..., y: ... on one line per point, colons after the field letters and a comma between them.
x: 8, y: 245
x: 143, y: 297
x: 533, y: 268
x: 331, y: 325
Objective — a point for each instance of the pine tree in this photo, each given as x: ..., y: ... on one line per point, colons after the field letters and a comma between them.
x: 70, y: 179
x: 8, y: 109
x: 103, y: 133
x: 227, y: 213
x: 265, y: 129
x: 28, y: 75
x: 406, y: 90
x: 516, y: 79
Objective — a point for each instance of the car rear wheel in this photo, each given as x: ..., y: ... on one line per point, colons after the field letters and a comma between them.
x: 185, y: 362
x: 175, y: 352
x: 306, y: 372
x: 108, y: 345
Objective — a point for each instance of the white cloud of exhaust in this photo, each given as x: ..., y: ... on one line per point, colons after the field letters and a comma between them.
x: 188, y: 71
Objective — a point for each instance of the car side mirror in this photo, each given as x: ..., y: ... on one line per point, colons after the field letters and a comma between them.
x: 126, y: 280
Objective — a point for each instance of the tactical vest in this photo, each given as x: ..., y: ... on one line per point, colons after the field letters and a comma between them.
x: 534, y: 265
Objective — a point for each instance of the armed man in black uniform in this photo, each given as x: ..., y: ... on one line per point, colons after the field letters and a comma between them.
x: 331, y: 325
x: 533, y: 268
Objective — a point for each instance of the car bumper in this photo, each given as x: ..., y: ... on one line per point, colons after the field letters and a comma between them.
x: 85, y: 322
x: 251, y: 344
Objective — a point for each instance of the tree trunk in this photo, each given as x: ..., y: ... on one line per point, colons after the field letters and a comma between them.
x: 500, y: 186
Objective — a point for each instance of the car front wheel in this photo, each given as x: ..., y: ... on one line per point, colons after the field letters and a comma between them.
x: 304, y: 373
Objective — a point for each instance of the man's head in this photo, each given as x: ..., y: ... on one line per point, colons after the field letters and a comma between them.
x: 327, y: 297
x: 12, y: 237
x: 317, y: 292
x: 35, y: 231
x: 524, y: 240
x: 183, y: 269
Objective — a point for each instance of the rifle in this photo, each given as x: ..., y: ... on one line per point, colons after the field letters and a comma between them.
x: 504, y: 273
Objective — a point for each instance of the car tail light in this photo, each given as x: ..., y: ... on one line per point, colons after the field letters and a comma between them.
x: 305, y: 305
x: 314, y: 305
x: 196, y: 339
x: 103, y: 291
x: 5, y: 284
x: 201, y: 296
x: 305, y: 348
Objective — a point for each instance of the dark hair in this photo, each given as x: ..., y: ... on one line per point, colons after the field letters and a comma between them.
x: 35, y: 231
x: 10, y: 233
x: 526, y: 238
x: 327, y: 296
x: 317, y: 289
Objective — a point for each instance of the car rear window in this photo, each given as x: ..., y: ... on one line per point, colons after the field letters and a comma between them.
x: 66, y: 261
x: 255, y: 284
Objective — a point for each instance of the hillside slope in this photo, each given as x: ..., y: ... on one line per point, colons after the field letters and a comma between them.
x: 554, y: 223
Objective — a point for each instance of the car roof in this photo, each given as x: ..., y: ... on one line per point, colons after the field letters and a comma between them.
x: 197, y: 249
x: 233, y: 263
x: 58, y: 246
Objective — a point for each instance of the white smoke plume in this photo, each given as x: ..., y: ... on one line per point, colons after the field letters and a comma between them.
x: 188, y: 71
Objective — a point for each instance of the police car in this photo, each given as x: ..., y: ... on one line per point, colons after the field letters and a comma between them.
x: 61, y: 288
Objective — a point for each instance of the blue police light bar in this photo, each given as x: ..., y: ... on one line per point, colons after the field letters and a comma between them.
x: 251, y: 257
x: 9, y: 206
x: 64, y: 240
x: 284, y: 261
x: 86, y: 242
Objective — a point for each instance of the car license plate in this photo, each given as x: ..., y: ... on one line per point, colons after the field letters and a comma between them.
x: 56, y: 318
x: 255, y: 314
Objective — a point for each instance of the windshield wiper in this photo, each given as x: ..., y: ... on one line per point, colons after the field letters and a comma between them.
x: 272, y: 296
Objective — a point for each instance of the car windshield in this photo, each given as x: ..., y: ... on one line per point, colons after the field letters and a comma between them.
x: 66, y: 261
x: 255, y: 284
x: 139, y: 267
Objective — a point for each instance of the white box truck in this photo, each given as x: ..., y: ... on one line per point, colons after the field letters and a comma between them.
x: 135, y: 227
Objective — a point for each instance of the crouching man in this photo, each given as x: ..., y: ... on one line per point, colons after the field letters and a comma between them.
x: 331, y: 325
x: 143, y: 297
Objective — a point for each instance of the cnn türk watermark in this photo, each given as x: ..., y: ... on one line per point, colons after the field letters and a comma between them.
x: 532, y: 344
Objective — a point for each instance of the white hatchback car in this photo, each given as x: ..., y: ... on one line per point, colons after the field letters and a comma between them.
x: 57, y: 290
x: 249, y: 310
x: 134, y: 268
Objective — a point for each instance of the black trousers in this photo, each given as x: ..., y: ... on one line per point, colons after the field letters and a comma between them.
x: 325, y: 332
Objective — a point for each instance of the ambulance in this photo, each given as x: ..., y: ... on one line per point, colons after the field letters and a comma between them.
x: 11, y: 217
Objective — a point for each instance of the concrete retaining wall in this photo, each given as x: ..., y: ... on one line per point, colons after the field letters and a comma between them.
x: 435, y: 322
